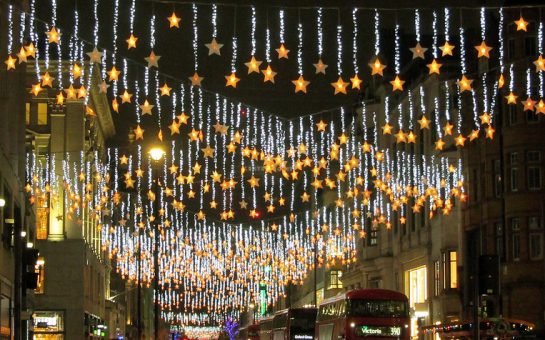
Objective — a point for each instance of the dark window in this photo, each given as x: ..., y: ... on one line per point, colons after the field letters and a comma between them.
x: 532, y: 117
x: 498, y: 184
x: 514, y: 157
x: 536, y: 246
x: 511, y: 52
x: 533, y: 156
x: 515, y: 224
x: 513, y: 114
x: 516, y: 246
x: 499, y: 240
x: 530, y: 48
x: 534, y: 178
x: 514, y: 179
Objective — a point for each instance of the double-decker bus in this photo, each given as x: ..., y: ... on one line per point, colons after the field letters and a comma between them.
x: 364, y: 313
x: 294, y: 324
x: 266, y: 328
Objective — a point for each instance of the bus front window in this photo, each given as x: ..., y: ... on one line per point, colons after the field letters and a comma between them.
x: 378, y: 308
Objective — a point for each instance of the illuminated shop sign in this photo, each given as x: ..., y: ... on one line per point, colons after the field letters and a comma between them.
x: 303, y: 337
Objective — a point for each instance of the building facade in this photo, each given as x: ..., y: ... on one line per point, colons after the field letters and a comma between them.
x: 72, y: 297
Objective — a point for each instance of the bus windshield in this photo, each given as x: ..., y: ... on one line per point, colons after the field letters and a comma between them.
x: 378, y: 308
x: 302, y: 320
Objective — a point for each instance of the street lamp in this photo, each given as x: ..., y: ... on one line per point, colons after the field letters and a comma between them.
x: 2, y: 202
x: 157, y: 154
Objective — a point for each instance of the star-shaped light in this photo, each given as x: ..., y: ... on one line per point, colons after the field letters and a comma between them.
x: 521, y: 24
x: 214, y: 47
x: 540, y: 63
x: 36, y: 89
x: 356, y: 82
x: 434, y: 67
x: 253, y: 65
x: 268, y: 74
x: 485, y: 118
x: 10, y: 63
x: 208, y: 151
x: 305, y: 197
x: 490, y: 132
x: 473, y: 135
x: 460, y: 140
x: 483, y: 50
x: 465, y: 83
x: 165, y: 90
x: 232, y: 80
x: 103, y: 87
x: 95, y: 56
x: 387, y: 129
x: 397, y: 84
x: 153, y: 60
x: 448, y: 129
x: 22, y: 56
x: 196, y: 79
x: 282, y: 52
x: 418, y: 51
x: 138, y: 133
x: 540, y: 107
x: 221, y: 129
x: 71, y: 92
x: 446, y: 49
x: 320, y: 66
x: 113, y: 74
x: 300, y: 84
x: 511, y: 98
x: 115, y: 105
x: 377, y: 67
x: 529, y: 104
x: 501, y: 81
x: 53, y: 36
x: 194, y: 135
x: 439, y: 144
x: 30, y: 50
x: 174, y: 128
x: 76, y: 71
x: 82, y: 92
x: 339, y: 86
x: 60, y: 98
x: 131, y: 42
x: 400, y: 136
x: 126, y: 97
x: 47, y: 80
x: 174, y: 21
x: 254, y: 182
x: 321, y: 125
x: 424, y: 122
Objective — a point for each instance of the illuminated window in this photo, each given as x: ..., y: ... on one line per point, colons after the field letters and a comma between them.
x: 417, y: 285
x: 42, y: 218
x: 5, y: 317
x: 437, y: 277
x: 536, y: 246
x: 40, y: 270
x: 335, y: 279
x: 48, y: 324
x: 42, y: 113
x: 27, y: 113
x: 450, y: 270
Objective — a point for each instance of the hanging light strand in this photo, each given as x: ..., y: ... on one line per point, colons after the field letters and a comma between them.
x: 281, y: 18
x: 339, y: 47
x: 417, y: 24
x: 447, y: 24
x: 300, y: 47
x: 214, y: 21
x: 501, y: 41
x: 10, y: 29
x: 195, y: 38
x: 253, y: 31
x: 397, y: 51
x: 377, y: 32
x: 355, y: 40
x: 320, y: 32
x: 434, y: 26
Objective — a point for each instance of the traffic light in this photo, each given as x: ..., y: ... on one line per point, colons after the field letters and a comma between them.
x: 30, y: 277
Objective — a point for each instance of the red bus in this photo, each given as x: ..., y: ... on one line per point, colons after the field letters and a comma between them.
x: 266, y: 328
x: 294, y: 324
x: 364, y: 313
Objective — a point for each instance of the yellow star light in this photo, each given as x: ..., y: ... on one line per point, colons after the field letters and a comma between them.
x: 300, y: 84
x: 113, y: 74
x: 340, y: 86
x: 529, y: 104
x: 138, y: 133
x: 540, y: 63
x: 448, y: 129
x: 485, y: 118
x: 53, y: 35
x: 434, y: 67
x: 174, y: 128
x: 131, y: 42
x: 182, y: 118
x: 70, y: 92
x: 254, y: 182
x: 22, y: 55
x: 94, y: 56
x: 214, y: 47
x: 440, y: 144
x: 36, y: 89
x: 47, y: 80
x: 30, y: 50
x: 165, y: 90
x: 174, y: 21
x: 320, y: 67
x: 196, y: 79
x: 76, y: 71
x: 253, y: 65
x: 400, y: 136
x: 126, y: 97
x: 282, y: 52
x: 208, y: 151
x: 153, y: 60
x: 60, y: 98
x: 268, y: 74
x: 473, y: 135
x: 446, y: 49
x: 387, y: 129
x: 501, y: 81
x: 146, y: 108
x: 460, y: 140
x: 305, y: 197
x: 483, y: 50
x: 321, y: 125
x: 424, y: 123
x: 465, y: 83
x: 397, y: 84
x: 540, y: 108
x: 232, y: 80
x: 377, y: 67
x: 521, y: 24
x: 82, y: 92
x: 356, y: 82
x: 115, y: 105
x: 511, y: 98
x: 10, y: 63
x: 490, y: 132
x: 411, y: 137
x: 418, y: 51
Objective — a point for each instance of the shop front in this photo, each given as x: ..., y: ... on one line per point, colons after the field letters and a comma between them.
x: 48, y: 325
x: 416, y: 287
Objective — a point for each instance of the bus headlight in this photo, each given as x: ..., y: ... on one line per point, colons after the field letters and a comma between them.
x: 352, y: 324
